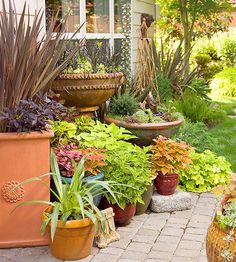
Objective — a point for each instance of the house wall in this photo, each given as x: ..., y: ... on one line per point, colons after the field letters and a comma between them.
x: 139, y: 7
x: 32, y: 6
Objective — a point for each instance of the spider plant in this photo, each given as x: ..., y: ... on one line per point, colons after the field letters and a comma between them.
x: 74, y: 201
x: 28, y: 56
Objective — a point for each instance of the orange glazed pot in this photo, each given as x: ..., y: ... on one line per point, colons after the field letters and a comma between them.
x: 23, y: 156
x: 74, y: 240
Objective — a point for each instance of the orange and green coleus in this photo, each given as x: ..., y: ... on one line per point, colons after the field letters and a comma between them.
x: 170, y: 156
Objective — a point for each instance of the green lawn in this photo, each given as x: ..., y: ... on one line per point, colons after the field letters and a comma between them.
x: 226, y: 132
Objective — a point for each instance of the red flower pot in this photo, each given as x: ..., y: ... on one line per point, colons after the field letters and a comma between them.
x: 122, y: 216
x: 166, y: 184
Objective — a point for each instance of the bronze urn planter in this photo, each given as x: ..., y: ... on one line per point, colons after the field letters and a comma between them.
x: 87, y: 91
x: 146, y: 132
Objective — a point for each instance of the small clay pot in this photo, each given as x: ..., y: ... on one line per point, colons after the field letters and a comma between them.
x: 122, y: 217
x: 166, y: 184
x: 146, y: 197
x: 72, y: 241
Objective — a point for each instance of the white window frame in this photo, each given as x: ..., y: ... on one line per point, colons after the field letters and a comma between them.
x: 111, y: 36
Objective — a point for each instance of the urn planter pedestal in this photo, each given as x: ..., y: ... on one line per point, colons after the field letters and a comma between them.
x: 87, y: 92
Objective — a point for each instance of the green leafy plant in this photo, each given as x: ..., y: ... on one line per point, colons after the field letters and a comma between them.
x: 202, y: 60
x: 126, y: 164
x: 124, y: 105
x: 64, y: 133
x: 197, y: 136
x: 224, y: 83
x: 74, y: 201
x: 104, y: 136
x: 28, y: 60
x: 169, y: 156
x: 206, y: 172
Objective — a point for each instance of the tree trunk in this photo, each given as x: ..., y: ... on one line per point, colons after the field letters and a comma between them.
x: 186, y: 33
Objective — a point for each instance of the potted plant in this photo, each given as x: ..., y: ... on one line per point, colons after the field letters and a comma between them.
x: 94, y: 162
x: 126, y: 164
x: 144, y: 123
x: 90, y: 79
x: 221, y: 235
x: 27, y: 68
x: 168, y: 159
x: 72, y: 218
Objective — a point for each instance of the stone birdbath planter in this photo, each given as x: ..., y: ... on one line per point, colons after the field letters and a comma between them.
x: 87, y: 92
x: 146, y: 132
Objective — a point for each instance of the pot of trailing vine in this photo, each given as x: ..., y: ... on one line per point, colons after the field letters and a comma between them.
x: 87, y: 92
x: 166, y: 184
x: 146, y: 197
x: 73, y: 240
x: 122, y: 217
x: 22, y: 156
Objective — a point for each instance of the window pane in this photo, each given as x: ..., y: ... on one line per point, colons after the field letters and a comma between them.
x: 118, y: 16
x: 118, y: 49
x: 97, y: 16
x: 70, y: 7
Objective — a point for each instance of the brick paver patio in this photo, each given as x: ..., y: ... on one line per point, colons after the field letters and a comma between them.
x: 175, y: 237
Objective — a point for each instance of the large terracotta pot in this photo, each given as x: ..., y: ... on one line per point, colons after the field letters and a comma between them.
x: 166, y: 184
x: 216, y: 244
x: 74, y: 240
x: 87, y: 91
x: 122, y: 217
x: 146, y: 132
x: 147, y: 196
x: 22, y: 156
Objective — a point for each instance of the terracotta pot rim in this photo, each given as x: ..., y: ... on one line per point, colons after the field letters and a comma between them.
x: 26, y: 136
x: 71, y: 223
x: 168, y: 174
x: 91, y: 76
x: 147, y: 126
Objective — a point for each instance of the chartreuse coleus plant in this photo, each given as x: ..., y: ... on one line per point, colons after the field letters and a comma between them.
x: 73, y: 201
x: 169, y: 156
x: 206, y: 172
x: 126, y: 164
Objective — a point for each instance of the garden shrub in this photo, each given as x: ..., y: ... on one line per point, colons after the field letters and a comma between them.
x: 224, y: 83
x: 197, y: 136
x: 228, y: 51
x: 196, y: 109
x: 206, y: 172
x: 124, y: 105
x: 200, y: 87
x: 192, y: 107
x: 164, y: 88
x: 202, y: 59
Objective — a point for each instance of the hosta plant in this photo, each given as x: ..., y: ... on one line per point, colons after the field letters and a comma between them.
x: 169, y: 156
x: 206, y: 172
x: 73, y: 201
x: 69, y: 154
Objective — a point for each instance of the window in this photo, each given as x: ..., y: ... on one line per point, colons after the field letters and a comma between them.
x: 97, y: 16
x: 99, y: 19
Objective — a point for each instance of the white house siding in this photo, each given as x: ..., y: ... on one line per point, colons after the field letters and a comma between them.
x: 139, y: 7
x: 32, y: 6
